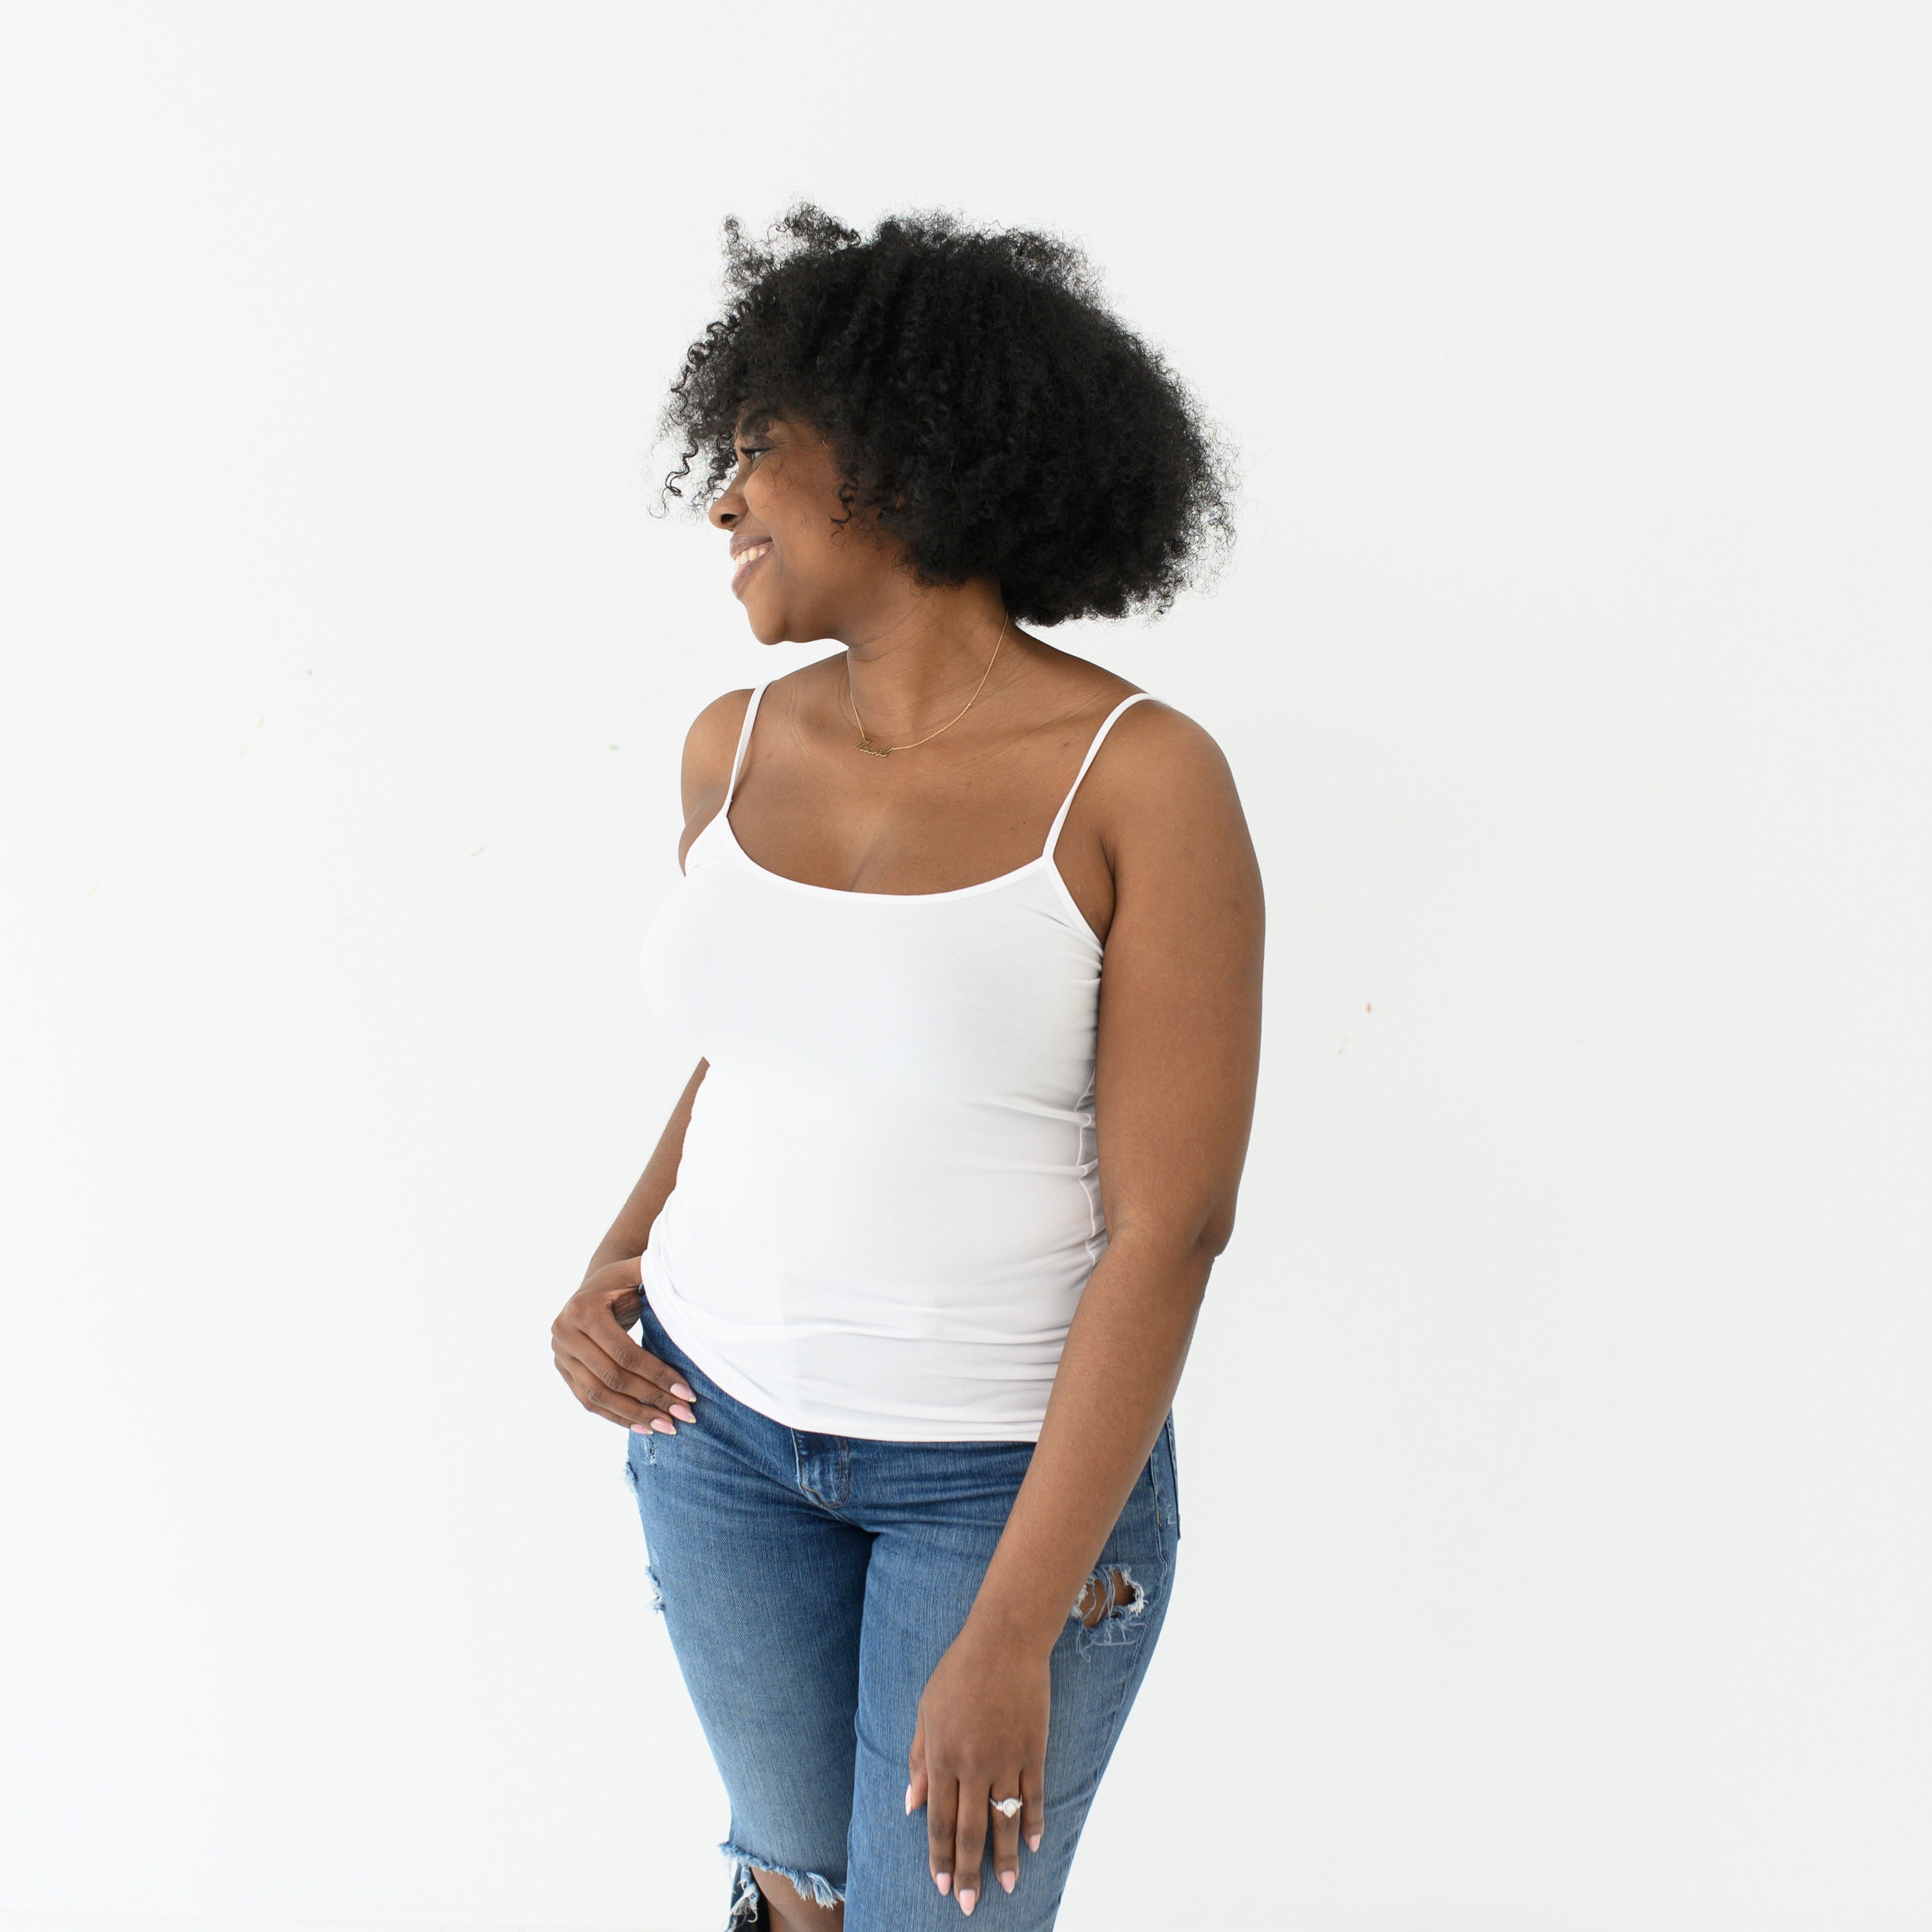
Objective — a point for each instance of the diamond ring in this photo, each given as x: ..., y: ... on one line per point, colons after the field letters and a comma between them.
x: 1007, y: 1808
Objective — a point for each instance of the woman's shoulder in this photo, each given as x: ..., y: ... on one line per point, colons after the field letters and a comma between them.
x: 710, y: 746
x: 1150, y: 743
x: 1158, y: 783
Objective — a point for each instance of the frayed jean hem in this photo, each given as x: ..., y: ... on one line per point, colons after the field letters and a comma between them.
x: 808, y: 1885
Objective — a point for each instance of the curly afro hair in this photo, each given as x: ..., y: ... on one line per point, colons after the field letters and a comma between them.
x: 981, y: 400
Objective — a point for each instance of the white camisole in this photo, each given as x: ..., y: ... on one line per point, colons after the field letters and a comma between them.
x: 888, y: 1202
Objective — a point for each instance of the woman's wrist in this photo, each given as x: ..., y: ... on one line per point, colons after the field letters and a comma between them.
x: 1028, y: 1622
x: 609, y: 1252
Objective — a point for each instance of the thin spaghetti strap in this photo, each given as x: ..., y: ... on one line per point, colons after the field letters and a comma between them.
x: 744, y: 740
x: 1106, y: 725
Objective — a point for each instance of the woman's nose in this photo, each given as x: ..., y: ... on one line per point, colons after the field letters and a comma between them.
x: 726, y: 510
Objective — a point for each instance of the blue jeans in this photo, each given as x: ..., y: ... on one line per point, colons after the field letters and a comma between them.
x: 811, y: 1585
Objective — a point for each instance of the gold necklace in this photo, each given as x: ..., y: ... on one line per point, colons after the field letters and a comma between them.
x: 880, y: 751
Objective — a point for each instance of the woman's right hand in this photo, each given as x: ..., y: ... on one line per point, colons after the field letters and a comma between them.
x: 607, y: 1371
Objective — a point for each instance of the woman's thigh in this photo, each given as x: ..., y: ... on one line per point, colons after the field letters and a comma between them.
x: 926, y: 1568
x: 763, y: 1590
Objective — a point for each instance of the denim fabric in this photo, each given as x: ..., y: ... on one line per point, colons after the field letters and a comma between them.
x: 810, y: 1584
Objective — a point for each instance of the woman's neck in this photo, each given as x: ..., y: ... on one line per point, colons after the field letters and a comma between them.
x: 915, y: 665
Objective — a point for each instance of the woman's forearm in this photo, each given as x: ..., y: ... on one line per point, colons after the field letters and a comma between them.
x: 1116, y: 1381
x: 630, y: 1232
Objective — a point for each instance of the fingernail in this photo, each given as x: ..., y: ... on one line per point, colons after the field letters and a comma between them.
x: 683, y: 1393
x: 683, y: 1414
x: 908, y: 1801
x: 641, y: 1429
x: 664, y: 1428
x: 967, y: 1901
x: 944, y: 1882
x: 1007, y: 1880
x: 1032, y: 1843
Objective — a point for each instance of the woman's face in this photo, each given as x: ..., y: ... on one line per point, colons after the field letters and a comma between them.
x: 801, y: 574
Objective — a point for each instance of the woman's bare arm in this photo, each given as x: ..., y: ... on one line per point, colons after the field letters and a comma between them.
x: 1177, y: 1057
x: 590, y: 1339
x: 630, y: 1233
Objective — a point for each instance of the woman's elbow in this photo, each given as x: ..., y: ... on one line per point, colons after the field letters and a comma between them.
x: 1193, y: 1241
x: 1216, y: 1231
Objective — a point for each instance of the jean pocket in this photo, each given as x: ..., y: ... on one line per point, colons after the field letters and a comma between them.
x: 653, y: 1339
x: 651, y: 1336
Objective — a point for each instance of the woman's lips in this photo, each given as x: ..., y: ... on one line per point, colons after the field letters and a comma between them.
x: 742, y: 560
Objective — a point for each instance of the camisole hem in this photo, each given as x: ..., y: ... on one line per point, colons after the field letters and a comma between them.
x: 666, y: 1306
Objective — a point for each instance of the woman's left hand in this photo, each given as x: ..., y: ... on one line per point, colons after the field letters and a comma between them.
x: 981, y: 1735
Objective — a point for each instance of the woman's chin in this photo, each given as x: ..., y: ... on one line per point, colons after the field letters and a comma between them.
x: 768, y: 624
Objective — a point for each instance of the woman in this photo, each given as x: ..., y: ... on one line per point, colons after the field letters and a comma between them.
x: 918, y: 1256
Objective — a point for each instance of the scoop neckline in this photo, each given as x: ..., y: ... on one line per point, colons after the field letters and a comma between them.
x: 850, y: 892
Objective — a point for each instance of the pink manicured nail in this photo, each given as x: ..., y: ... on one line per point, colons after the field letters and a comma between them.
x: 1007, y: 1880
x: 944, y: 1882
x: 968, y: 1900
x: 908, y: 1801
x: 641, y: 1429
x: 663, y: 1427
x: 1032, y: 1843
x: 683, y: 1414
x: 683, y: 1393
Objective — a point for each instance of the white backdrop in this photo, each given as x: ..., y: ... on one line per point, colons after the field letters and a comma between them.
x: 1554, y: 1455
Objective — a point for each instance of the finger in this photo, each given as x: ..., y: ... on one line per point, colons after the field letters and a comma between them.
x: 969, y: 1849
x: 637, y: 1378
x: 1006, y: 1837
x: 647, y: 1422
x: 942, y: 1800
x: 641, y: 1417
x: 1033, y: 1804
x: 594, y: 1391
x: 593, y: 1316
x: 632, y: 1360
x: 916, y: 1767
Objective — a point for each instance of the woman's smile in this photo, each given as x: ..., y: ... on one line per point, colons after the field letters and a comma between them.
x: 744, y: 560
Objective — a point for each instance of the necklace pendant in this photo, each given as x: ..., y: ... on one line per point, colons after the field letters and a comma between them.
x: 877, y: 751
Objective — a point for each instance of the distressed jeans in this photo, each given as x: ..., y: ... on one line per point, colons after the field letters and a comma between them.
x: 810, y: 1584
